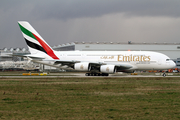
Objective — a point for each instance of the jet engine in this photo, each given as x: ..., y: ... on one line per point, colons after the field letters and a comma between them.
x: 108, y: 69
x: 84, y: 66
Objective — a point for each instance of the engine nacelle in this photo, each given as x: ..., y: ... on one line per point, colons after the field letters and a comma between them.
x: 108, y: 69
x: 82, y: 66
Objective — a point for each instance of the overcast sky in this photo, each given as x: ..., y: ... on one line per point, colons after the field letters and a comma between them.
x: 63, y: 21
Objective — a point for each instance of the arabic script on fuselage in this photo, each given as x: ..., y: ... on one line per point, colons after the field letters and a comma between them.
x: 107, y: 57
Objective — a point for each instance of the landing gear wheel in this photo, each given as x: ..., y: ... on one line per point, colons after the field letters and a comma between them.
x: 164, y: 75
x: 96, y: 74
x: 104, y: 74
x: 87, y: 74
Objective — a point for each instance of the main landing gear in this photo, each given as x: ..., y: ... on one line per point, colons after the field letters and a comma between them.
x: 96, y: 74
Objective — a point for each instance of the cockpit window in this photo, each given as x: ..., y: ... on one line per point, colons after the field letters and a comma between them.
x: 167, y: 59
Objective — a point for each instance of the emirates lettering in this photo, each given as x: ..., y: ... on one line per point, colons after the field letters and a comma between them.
x: 133, y: 58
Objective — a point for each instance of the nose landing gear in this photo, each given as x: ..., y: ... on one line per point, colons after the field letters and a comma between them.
x: 164, y: 74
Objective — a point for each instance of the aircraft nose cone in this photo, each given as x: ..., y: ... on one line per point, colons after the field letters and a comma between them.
x: 173, y: 64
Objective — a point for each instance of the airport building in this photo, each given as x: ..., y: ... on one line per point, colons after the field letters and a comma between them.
x: 5, y: 54
x: 170, y: 49
x: 9, y: 62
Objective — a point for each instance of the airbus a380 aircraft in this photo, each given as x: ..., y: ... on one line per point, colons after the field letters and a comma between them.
x: 101, y: 63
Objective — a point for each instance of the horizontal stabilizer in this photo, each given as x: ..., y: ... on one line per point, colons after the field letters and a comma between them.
x: 28, y: 55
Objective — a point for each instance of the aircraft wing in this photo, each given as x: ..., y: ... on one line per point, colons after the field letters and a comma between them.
x: 66, y: 62
x: 97, y: 65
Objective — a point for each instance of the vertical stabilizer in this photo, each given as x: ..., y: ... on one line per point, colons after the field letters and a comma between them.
x: 35, y: 42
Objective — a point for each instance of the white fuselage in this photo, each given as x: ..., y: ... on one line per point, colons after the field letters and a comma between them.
x: 139, y: 60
